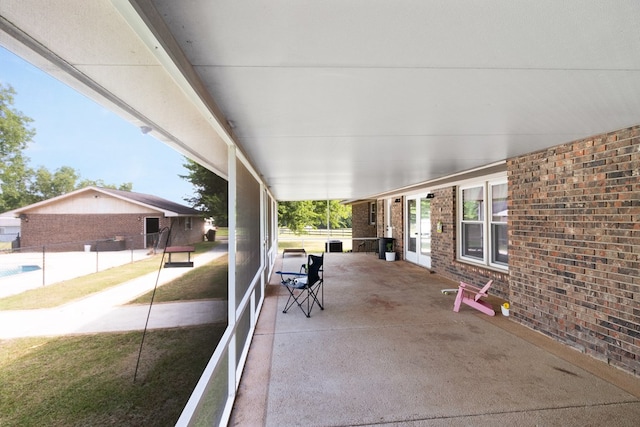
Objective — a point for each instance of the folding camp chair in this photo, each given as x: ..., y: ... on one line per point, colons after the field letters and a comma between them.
x: 305, y: 287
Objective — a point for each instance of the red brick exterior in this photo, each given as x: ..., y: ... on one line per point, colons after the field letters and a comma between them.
x: 444, y: 251
x: 397, y: 226
x: 381, y: 221
x: 70, y: 232
x: 574, y: 227
x: 361, y: 225
x: 574, y: 244
x: 358, y: 215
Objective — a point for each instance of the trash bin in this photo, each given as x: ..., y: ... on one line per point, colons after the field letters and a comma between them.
x: 333, y: 246
x: 382, y: 246
x: 211, y: 235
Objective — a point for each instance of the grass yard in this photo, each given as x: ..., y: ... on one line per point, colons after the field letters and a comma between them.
x: 69, y: 290
x: 88, y: 380
x: 312, y: 246
x: 206, y: 282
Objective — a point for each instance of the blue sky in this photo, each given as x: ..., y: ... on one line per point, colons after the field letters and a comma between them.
x: 72, y: 130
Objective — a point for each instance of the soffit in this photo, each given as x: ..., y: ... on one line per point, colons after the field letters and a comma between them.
x: 351, y: 99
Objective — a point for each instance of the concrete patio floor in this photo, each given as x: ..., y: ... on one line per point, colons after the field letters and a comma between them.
x: 389, y: 350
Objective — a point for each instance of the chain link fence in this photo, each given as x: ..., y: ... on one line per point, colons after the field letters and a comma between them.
x: 30, y: 267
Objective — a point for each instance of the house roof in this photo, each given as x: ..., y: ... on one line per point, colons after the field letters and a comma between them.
x: 154, y: 201
x: 167, y: 207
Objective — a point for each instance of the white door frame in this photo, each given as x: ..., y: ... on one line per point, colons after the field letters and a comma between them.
x: 388, y: 230
x: 422, y: 231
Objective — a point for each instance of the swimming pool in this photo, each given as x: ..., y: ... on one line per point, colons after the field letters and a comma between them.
x: 17, y: 269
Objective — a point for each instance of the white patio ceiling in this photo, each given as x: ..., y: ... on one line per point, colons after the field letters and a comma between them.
x: 346, y: 99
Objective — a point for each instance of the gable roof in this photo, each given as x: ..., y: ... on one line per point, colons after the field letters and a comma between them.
x: 167, y: 207
x: 154, y: 201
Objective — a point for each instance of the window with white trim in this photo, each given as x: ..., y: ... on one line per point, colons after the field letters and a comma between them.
x: 372, y: 213
x: 482, y: 216
x: 188, y: 224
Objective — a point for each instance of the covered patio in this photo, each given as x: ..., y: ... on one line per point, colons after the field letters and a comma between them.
x: 480, y: 109
x: 389, y: 350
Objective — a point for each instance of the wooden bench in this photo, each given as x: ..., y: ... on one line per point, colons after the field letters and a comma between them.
x: 179, y: 250
x: 294, y: 251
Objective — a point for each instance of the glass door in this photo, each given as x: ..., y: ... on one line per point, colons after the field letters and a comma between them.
x: 418, y: 231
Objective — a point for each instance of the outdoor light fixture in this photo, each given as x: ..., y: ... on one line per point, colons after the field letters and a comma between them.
x: 146, y: 129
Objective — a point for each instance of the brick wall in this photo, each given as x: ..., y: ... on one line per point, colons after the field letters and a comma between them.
x: 50, y: 230
x: 380, y: 222
x: 71, y: 232
x: 182, y: 236
x: 397, y: 225
x: 574, y: 229
x: 397, y: 222
x: 444, y: 251
x: 574, y: 244
x: 443, y: 245
x: 360, y: 226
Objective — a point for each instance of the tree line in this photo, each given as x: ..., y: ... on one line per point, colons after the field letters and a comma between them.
x: 21, y: 184
x: 211, y: 198
x: 299, y: 215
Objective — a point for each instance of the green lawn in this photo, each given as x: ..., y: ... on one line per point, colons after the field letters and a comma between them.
x: 314, y: 245
x: 69, y: 290
x: 88, y: 380
x: 206, y: 282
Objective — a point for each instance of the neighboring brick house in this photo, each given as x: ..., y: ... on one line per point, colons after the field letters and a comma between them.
x: 106, y: 219
x: 567, y: 257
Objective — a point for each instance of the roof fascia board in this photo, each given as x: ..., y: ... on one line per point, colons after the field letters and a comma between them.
x: 101, y: 191
x: 146, y: 22
x: 53, y: 199
x: 135, y: 202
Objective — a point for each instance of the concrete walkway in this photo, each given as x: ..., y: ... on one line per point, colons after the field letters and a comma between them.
x: 388, y: 350
x: 104, y: 311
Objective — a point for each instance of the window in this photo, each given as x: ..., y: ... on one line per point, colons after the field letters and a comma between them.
x: 372, y: 213
x: 499, y: 241
x: 483, y: 226
x: 187, y: 223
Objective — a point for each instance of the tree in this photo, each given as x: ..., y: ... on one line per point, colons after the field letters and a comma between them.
x: 126, y: 186
x: 211, y: 192
x: 48, y: 185
x: 296, y: 216
x: 15, y: 135
x: 20, y: 185
x: 339, y: 214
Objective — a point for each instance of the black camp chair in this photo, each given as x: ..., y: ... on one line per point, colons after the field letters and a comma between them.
x: 305, y: 287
